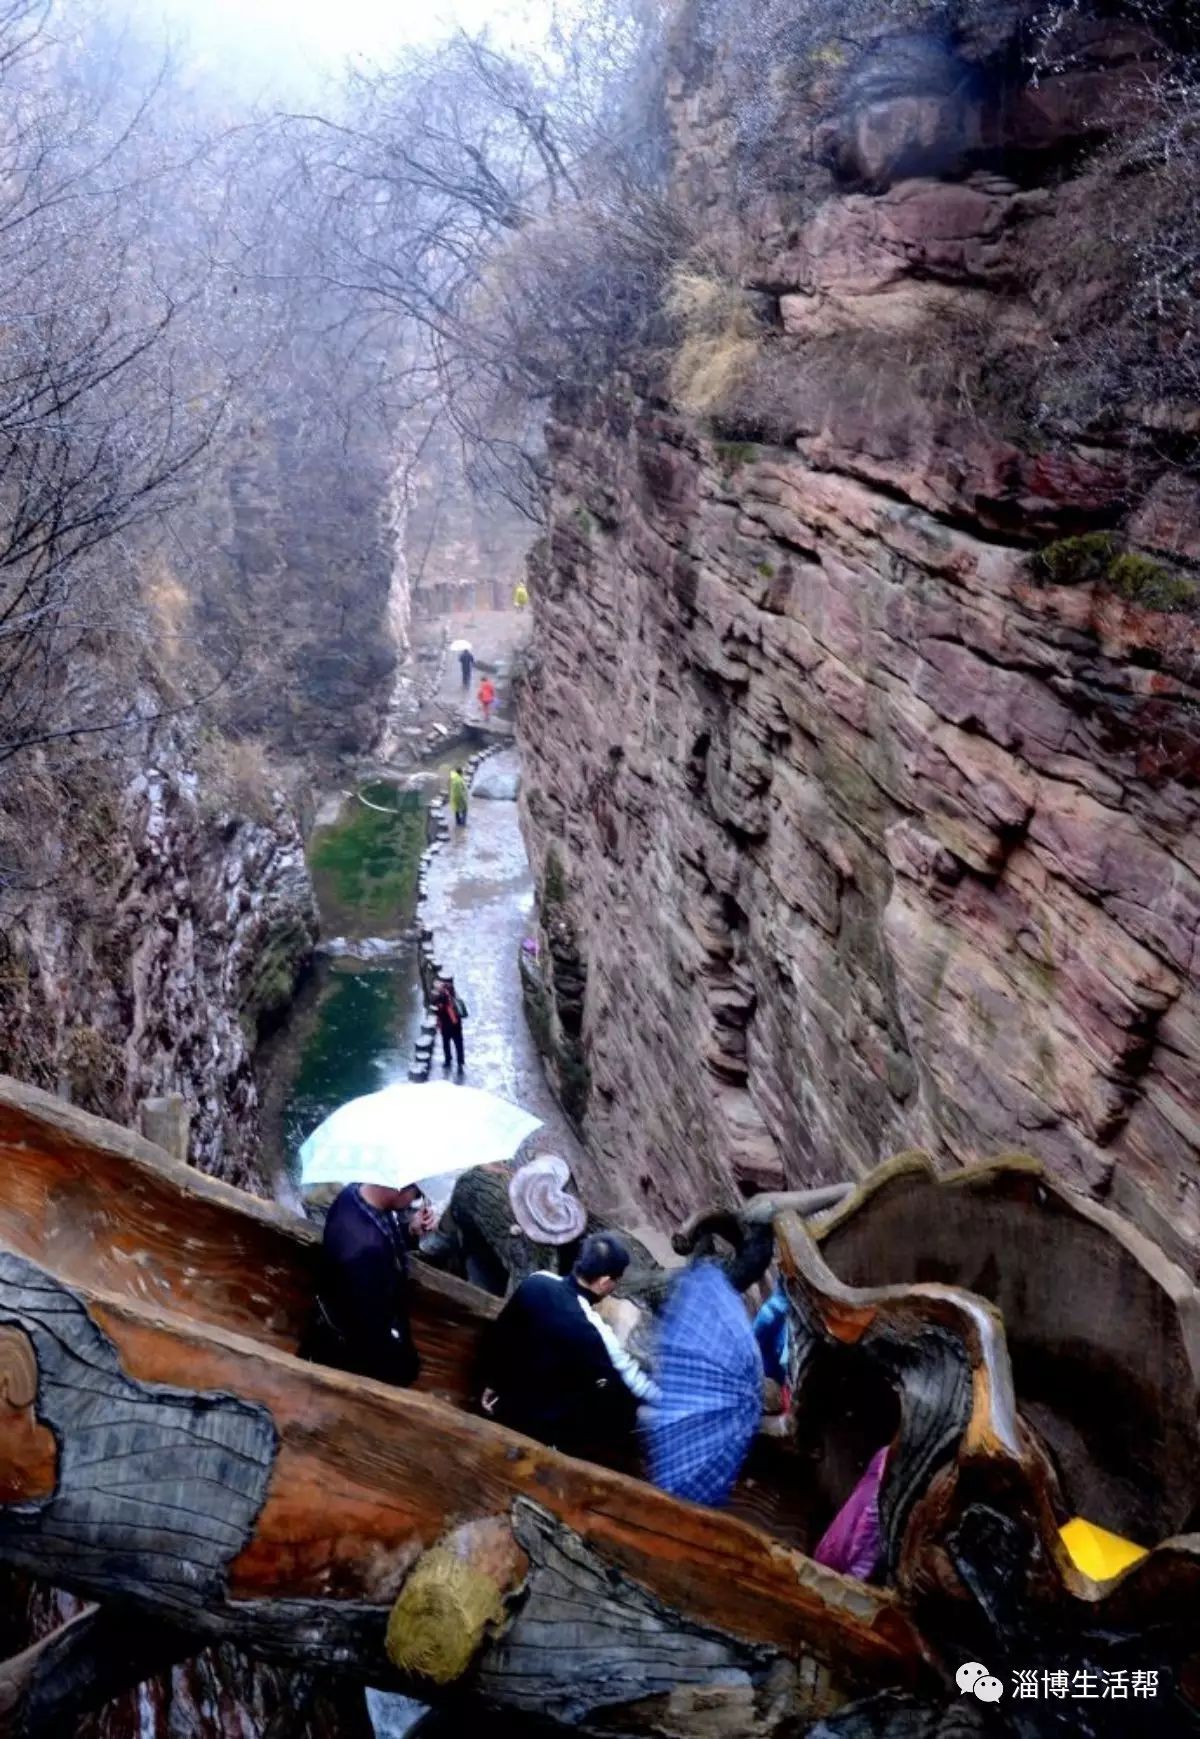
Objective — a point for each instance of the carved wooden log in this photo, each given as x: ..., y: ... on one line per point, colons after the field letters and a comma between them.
x: 731, y: 1223
x: 1103, y: 1330
x: 238, y: 1492
x: 96, y: 1204
x: 970, y: 1506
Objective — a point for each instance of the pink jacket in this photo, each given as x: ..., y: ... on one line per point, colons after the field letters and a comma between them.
x: 851, y: 1541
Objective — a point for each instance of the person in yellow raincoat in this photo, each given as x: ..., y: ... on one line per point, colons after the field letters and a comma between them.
x: 520, y: 596
x: 458, y: 796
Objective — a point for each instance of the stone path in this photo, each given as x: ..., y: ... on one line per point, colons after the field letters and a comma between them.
x: 479, y: 904
x: 496, y: 636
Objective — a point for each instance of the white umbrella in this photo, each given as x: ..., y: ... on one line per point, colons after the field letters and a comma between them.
x: 460, y: 646
x: 413, y: 1133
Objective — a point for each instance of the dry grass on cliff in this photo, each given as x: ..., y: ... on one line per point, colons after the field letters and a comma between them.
x: 236, y: 778
x: 720, y: 341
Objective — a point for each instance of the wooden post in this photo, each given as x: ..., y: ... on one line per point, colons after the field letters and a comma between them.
x: 166, y: 1121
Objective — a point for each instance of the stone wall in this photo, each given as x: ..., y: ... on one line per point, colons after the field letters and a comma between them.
x: 876, y: 832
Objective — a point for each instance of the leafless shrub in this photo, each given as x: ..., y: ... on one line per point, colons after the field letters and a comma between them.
x: 1122, y: 292
x: 236, y: 777
x: 109, y: 392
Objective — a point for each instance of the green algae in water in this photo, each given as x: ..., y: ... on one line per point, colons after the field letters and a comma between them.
x: 357, y: 1044
x: 365, y: 866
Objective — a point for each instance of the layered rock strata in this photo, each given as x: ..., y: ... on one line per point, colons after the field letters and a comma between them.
x: 876, y: 832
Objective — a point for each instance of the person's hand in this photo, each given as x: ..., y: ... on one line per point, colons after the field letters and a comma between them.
x: 488, y: 1401
x: 424, y: 1219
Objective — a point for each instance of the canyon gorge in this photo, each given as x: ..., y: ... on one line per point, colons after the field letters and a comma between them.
x: 860, y: 719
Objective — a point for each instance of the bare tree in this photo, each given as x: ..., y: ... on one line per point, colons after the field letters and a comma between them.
x: 111, y: 387
x: 506, y: 219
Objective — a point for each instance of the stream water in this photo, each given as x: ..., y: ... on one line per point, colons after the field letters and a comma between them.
x: 352, y: 1026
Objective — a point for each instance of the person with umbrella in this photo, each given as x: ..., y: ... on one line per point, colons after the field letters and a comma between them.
x: 367, y: 1146
x: 709, y: 1371
x: 360, y: 1321
x: 553, y: 1367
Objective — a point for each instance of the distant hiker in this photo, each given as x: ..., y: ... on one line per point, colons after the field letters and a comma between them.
x: 520, y: 596
x: 360, y: 1323
x: 450, y: 1011
x: 458, y: 796
x: 487, y: 696
x: 554, y: 1369
x: 466, y: 662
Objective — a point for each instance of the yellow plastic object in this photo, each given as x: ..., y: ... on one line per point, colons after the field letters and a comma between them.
x: 1095, y: 1551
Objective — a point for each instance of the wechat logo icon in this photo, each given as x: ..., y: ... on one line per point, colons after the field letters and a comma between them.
x: 973, y: 1677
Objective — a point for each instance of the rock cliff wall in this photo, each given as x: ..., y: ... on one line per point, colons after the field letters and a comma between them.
x: 863, y: 715
x: 157, y: 901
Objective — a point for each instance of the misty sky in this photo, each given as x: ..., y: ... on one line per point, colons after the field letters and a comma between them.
x: 287, y: 45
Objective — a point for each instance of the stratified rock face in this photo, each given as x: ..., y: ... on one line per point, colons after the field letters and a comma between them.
x: 872, y: 837
x: 172, y: 928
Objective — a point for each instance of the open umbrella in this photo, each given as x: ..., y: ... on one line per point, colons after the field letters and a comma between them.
x: 460, y: 646
x: 413, y: 1133
x: 710, y: 1376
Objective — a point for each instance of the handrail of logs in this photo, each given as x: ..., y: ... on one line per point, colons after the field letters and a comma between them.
x: 163, y: 1452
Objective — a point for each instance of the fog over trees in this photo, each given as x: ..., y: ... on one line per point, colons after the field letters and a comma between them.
x: 449, y: 241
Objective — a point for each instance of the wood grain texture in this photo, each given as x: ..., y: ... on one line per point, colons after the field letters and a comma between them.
x: 155, y: 1488
x: 1103, y: 1330
x: 973, y: 1537
x: 943, y: 1352
x: 98, y: 1206
x: 586, y: 1641
x: 332, y: 1486
x: 28, y: 1452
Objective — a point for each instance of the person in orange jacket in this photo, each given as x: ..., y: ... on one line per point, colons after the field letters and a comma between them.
x: 487, y: 696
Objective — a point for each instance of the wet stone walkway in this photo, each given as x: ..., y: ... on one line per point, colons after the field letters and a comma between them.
x: 479, y: 905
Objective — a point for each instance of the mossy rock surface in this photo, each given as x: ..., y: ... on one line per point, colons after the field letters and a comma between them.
x: 366, y: 865
x: 1098, y: 559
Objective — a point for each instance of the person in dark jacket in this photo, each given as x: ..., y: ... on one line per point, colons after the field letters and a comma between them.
x: 553, y: 1367
x: 450, y: 1011
x: 361, y: 1319
x: 466, y: 662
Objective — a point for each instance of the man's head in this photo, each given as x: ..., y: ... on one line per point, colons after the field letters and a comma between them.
x: 459, y: 771
x: 390, y: 1201
x: 600, y: 1263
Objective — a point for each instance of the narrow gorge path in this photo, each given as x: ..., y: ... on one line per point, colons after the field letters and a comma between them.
x: 480, y: 908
